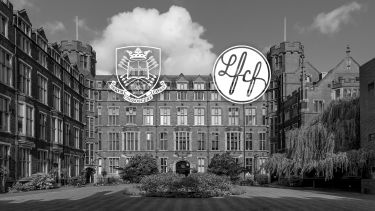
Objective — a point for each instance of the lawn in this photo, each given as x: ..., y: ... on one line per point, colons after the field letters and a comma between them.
x: 118, y: 198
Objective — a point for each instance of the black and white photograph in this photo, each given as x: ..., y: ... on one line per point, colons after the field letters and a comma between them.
x: 174, y: 105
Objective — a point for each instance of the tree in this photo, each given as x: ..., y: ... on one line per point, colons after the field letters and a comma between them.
x: 225, y: 164
x: 321, y: 147
x: 138, y: 167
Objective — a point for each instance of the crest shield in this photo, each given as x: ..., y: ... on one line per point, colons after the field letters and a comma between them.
x: 138, y: 69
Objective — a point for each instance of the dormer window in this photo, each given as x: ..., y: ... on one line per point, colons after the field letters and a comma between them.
x: 198, y: 85
x: 182, y: 85
x: 42, y: 43
x: 168, y: 85
x: 25, y: 28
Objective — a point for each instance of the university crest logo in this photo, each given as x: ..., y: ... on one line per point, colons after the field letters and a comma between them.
x: 138, y: 71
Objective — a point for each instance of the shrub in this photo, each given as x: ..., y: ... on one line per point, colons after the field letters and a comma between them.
x: 237, y: 190
x: 138, y: 167
x: 78, y: 181
x: 37, y: 181
x: 225, y: 164
x: 196, y: 185
x: 261, y: 179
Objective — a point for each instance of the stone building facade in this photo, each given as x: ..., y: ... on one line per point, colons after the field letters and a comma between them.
x: 188, y: 122
x: 41, y: 101
x: 299, y: 92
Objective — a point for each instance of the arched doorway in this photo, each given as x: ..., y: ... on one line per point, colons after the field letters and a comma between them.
x: 89, y: 174
x: 183, y: 167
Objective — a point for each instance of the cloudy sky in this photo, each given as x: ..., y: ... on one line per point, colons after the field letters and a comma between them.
x: 192, y: 32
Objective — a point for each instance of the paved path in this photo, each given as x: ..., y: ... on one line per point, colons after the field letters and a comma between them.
x: 256, y: 198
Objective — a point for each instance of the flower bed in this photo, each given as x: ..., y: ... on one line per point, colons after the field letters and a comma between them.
x: 37, y: 181
x: 196, y: 185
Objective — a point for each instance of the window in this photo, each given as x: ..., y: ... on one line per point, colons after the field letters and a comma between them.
x: 24, y: 159
x: 198, y: 85
x: 99, y: 84
x: 249, y: 165
x: 4, y: 114
x: 149, y: 142
x: 181, y: 116
x: 262, y: 141
x: 24, y: 44
x: 4, y: 156
x: 198, y: 95
x: 3, y: 25
x: 42, y: 58
x: 198, y: 116
x: 181, y: 95
x: 67, y: 78
x: 89, y: 154
x: 249, y: 141
x: 164, y: 96
x: 163, y: 165
x: 182, y: 141
x: 371, y: 89
x: 131, y: 142
x: 57, y: 71
x: 42, y: 126
x: 233, y: 116
x: 67, y: 104
x: 6, y: 71
x: 182, y: 85
x: 100, y: 166
x: 76, y: 112
x: 91, y: 127
x: 76, y: 166
x: 165, y: 116
x: 148, y: 116
x: 42, y: 89
x: 201, y: 142
x: 215, y: 141
x: 56, y: 130
x: 66, y: 134
x: 100, y: 145
x: 250, y: 116
x: 59, y: 131
x: 113, y: 165
x: 24, y: 78
x: 318, y: 106
x: 112, y: 96
x: 130, y: 115
x: 163, y: 141
x: 216, y: 116
x: 113, y: 115
x: 201, y: 165
x: 67, y: 164
x: 264, y: 116
x: 76, y: 137
x: 261, y: 161
x: 99, y: 118
x: 114, y: 141
x: 233, y: 141
x: 42, y: 161
x: 26, y: 122
x: 56, y: 98
x: 215, y: 96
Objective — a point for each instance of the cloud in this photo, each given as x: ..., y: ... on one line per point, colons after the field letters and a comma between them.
x: 331, y: 22
x: 22, y: 4
x: 54, y: 27
x: 82, y: 24
x: 183, y: 49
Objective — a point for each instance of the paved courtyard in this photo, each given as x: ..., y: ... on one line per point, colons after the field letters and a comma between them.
x: 257, y: 198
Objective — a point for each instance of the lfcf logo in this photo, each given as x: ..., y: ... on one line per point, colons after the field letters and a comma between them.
x: 241, y: 74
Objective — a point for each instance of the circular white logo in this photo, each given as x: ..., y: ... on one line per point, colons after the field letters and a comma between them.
x: 241, y: 74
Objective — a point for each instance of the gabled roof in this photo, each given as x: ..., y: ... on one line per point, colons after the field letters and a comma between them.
x: 42, y: 33
x: 23, y: 13
x: 336, y: 67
